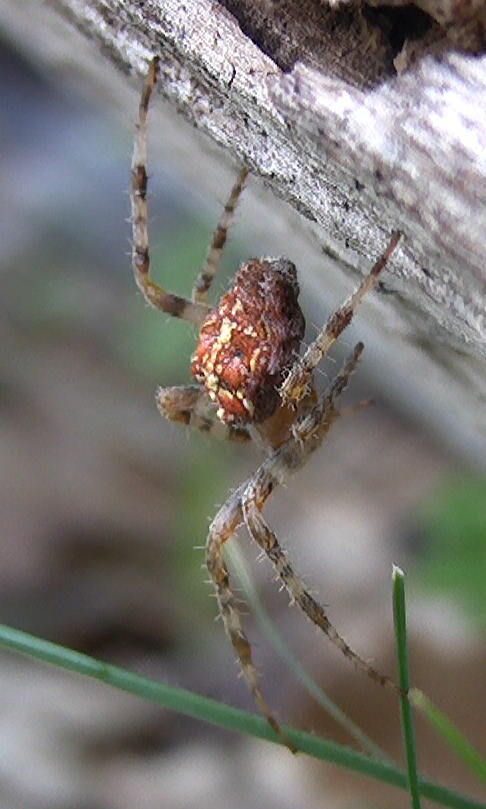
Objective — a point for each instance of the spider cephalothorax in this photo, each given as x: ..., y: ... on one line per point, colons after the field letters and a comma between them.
x: 252, y: 383
x: 248, y: 343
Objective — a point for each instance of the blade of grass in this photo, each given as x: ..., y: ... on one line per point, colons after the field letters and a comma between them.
x: 452, y: 735
x: 280, y: 645
x: 178, y: 699
x: 408, y: 728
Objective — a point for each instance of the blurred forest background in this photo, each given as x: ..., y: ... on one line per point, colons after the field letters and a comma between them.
x: 102, y: 504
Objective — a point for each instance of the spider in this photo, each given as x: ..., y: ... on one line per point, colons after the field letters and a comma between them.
x: 251, y: 384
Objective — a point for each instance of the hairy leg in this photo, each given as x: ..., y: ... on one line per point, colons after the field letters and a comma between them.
x: 299, y: 377
x: 153, y: 294
x: 206, y: 276
x: 245, y: 505
x: 224, y: 525
x: 275, y: 471
x: 294, y: 584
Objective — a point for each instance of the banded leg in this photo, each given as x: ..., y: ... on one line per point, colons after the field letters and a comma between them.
x: 275, y: 471
x: 297, y: 381
x: 224, y: 525
x: 190, y: 405
x: 153, y: 294
x: 295, y: 586
x: 206, y: 276
x: 245, y: 505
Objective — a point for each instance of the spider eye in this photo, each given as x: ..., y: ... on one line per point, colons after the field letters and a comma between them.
x: 238, y: 354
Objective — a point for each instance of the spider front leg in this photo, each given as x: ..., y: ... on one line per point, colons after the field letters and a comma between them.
x: 154, y: 294
x: 222, y: 528
x: 191, y: 405
x: 274, y: 471
x: 296, y: 384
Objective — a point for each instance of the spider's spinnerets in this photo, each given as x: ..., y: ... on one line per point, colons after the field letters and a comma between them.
x: 250, y: 340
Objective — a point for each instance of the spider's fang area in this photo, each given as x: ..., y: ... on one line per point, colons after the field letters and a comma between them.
x: 248, y: 343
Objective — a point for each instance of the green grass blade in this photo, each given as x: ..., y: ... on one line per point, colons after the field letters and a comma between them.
x: 452, y: 735
x: 280, y: 645
x: 186, y: 702
x: 408, y: 728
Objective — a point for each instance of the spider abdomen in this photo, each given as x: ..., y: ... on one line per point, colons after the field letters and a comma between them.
x: 250, y: 340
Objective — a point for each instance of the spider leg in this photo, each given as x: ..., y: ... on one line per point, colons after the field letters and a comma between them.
x: 297, y: 590
x: 153, y: 294
x: 274, y: 471
x: 224, y: 525
x: 191, y: 405
x: 297, y: 381
x: 206, y: 276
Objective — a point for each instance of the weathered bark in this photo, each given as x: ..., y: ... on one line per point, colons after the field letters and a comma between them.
x: 354, y: 148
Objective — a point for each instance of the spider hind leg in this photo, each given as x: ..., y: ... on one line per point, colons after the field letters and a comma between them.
x: 206, y: 276
x: 155, y: 295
